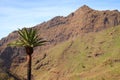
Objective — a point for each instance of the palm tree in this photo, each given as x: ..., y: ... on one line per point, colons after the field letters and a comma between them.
x: 28, y: 39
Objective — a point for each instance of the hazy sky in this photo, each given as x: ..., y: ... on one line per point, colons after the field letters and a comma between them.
x: 16, y: 14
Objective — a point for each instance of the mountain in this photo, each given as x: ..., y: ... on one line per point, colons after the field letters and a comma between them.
x: 83, y: 45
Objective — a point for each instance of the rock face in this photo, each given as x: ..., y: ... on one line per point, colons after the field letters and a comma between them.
x: 59, y: 29
x: 83, y: 20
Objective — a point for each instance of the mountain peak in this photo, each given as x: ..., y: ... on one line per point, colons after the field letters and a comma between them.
x: 85, y: 7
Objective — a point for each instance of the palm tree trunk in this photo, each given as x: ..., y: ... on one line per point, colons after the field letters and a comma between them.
x: 29, y: 58
x: 29, y: 51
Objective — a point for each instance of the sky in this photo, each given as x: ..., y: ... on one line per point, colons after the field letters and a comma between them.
x: 16, y: 14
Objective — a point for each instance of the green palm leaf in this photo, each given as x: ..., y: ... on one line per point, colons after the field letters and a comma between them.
x: 28, y: 38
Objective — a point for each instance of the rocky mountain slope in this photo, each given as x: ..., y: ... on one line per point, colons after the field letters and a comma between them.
x: 79, y: 46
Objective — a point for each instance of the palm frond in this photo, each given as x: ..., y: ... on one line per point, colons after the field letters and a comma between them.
x: 16, y: 43
x: 40, y: 43
x: 28, y: 37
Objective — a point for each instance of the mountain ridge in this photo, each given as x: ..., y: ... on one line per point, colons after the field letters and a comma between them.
x: 86, y: 13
